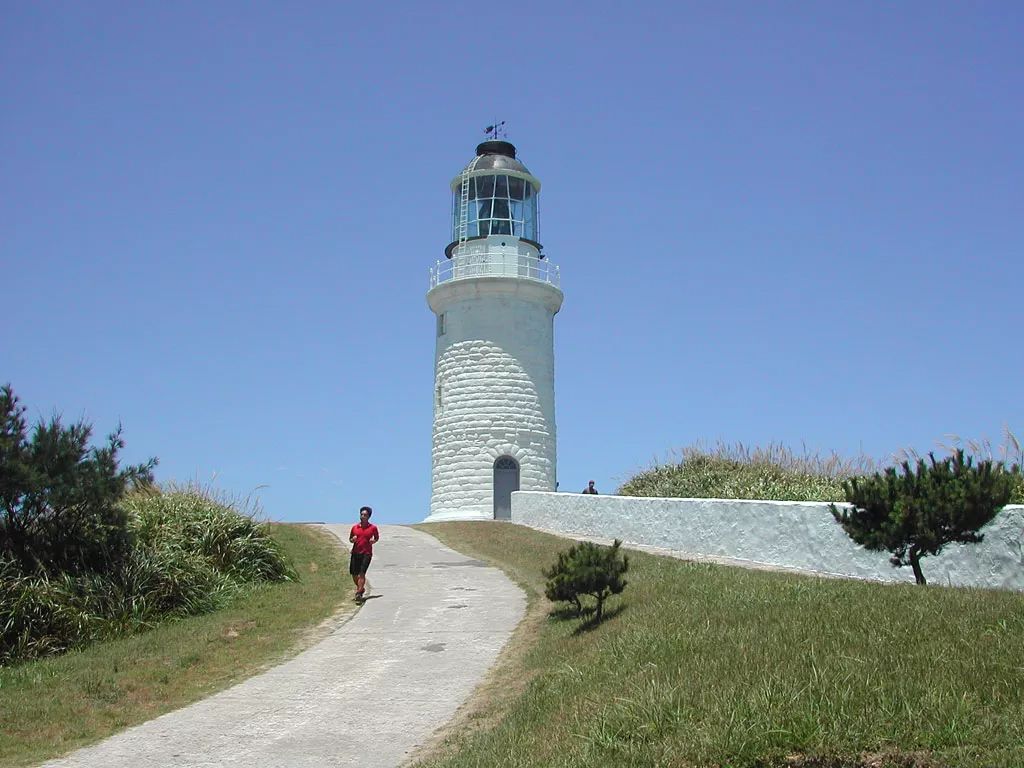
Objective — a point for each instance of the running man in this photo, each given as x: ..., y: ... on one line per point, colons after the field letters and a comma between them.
x: 363, y: 536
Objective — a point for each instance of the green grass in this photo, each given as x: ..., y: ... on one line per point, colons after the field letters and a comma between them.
x: 705, y: 665
x: 50, y: 706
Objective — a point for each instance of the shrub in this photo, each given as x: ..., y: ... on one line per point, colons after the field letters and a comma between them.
x: 587, y: 569
x: 191, y: 555
x: 36, y: 615
x: 58, y: 497
x: 915, y: 512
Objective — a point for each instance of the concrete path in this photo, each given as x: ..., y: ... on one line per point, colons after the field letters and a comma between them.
x: 368, y: 695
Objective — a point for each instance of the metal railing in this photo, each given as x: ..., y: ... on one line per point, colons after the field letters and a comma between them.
x: 494, y: 264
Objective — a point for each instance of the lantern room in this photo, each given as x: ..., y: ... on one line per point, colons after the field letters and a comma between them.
x: 494, y: 195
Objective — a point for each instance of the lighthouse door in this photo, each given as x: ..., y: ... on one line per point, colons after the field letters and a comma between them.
x: 506, y: 480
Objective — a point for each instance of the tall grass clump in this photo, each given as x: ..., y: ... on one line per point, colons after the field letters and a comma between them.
x: 737, y: 471
x: 190, y: 554
x: 228, y: 541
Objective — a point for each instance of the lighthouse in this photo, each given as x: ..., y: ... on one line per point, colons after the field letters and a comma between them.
x: 495, y: 297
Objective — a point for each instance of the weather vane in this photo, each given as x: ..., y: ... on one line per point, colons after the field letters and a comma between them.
x: 496, y: 131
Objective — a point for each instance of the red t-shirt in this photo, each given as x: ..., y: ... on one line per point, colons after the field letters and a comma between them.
x: 363, y: 545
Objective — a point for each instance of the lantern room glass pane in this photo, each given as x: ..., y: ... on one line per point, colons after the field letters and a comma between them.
x: 530, y: 218
x: 516, y: 187
x: 499, y: 204
x: 484, y: 187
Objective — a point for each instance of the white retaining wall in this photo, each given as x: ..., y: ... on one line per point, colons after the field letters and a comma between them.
x: 801, y: 536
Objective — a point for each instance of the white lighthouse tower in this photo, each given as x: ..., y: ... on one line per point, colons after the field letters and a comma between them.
x: 495, y: 297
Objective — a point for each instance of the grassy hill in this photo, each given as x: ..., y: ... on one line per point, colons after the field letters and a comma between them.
x: 737, y: 471
x: 704, y: 665
x: 725, y: 471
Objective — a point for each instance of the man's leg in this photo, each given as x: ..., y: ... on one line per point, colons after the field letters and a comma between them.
x: 361, y: 580
x: 354, y: 567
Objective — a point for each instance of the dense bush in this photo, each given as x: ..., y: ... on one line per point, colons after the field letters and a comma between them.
x: 58, y: 497
x: 915, y: 512
x: 191, y: 554
x: 739, y: 472
x: 587, y: 569
x: 80, y: 561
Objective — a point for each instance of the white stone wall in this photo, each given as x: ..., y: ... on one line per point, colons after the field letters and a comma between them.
x: 494, y: 391
x: 801, y: 536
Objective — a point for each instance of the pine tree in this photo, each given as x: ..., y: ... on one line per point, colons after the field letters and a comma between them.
x: 915, y: 512
x: 58, y: 497
x: 587, y: 569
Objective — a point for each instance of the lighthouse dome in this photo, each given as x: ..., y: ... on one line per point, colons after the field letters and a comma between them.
x: 496, y: 156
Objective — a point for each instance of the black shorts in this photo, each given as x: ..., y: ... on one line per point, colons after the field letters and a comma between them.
x: 358, y: 564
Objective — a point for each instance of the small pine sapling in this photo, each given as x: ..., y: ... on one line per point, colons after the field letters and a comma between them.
x: 587, y: 569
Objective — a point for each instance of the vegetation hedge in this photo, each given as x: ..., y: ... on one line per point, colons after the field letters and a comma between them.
x: 736, y: 471
x: 740, y: 472
x: 191, y: 554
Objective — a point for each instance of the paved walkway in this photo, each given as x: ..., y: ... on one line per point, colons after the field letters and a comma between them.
x: 367, y: 695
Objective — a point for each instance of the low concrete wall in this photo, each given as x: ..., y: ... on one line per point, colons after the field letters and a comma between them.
x: 796, y: 535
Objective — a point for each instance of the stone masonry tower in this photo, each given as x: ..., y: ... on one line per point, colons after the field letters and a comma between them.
x: 495, y: 297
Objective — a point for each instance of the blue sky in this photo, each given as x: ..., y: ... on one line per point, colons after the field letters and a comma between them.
x: 776, y: 222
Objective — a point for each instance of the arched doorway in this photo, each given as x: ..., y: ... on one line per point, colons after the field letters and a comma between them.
x: 506, y: 480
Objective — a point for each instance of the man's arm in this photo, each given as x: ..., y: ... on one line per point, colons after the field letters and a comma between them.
x: 376, y: 535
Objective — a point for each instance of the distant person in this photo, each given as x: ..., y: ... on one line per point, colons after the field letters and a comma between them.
x: 590, y: 488
x: 363, y: 536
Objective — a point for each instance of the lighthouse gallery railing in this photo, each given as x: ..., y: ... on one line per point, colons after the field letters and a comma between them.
x: 466, y: 266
